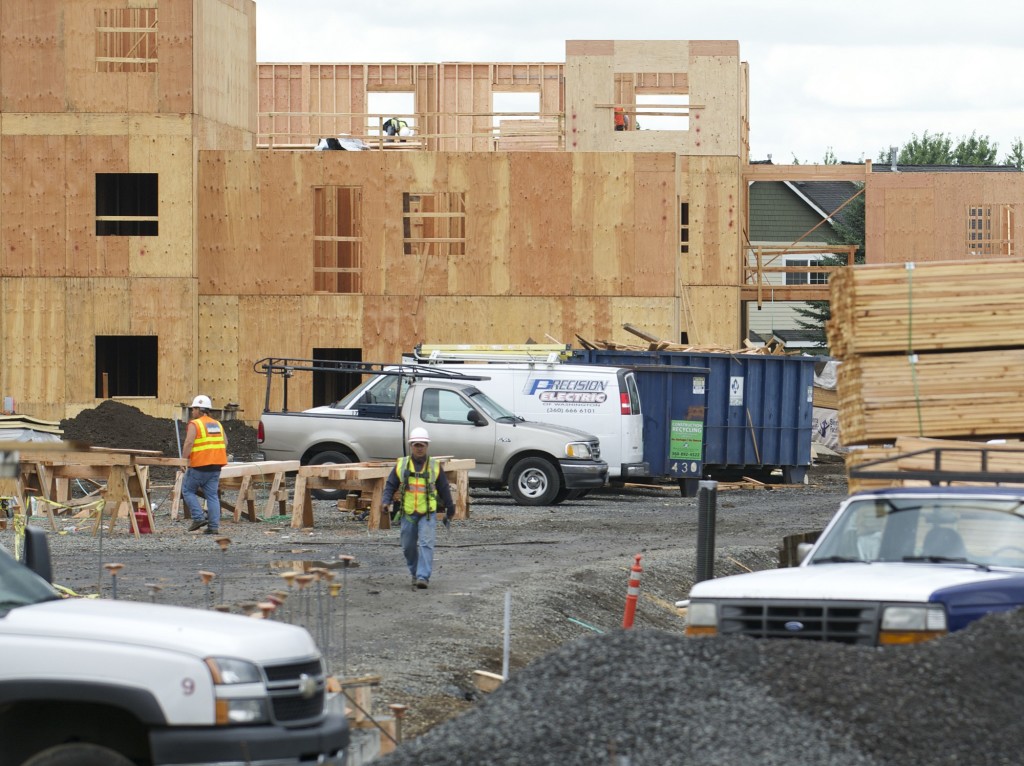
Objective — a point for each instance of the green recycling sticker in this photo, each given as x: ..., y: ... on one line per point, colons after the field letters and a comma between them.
x: 686, y: 439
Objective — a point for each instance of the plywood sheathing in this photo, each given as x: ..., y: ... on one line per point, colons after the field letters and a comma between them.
x: 923, y: 216
x: 56, y: 159
x: 58, y: 377
x: 597, y: 75
x: 225, y: 61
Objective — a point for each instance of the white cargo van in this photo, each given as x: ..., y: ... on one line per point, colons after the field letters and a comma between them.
x: 598, y: 399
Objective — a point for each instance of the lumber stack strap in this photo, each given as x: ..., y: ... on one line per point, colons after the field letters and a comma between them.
x: 933, y: 306
x: 929, y: 350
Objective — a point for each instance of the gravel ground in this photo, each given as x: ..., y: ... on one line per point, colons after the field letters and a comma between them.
x: 567, y: 569
x: 581, y: 689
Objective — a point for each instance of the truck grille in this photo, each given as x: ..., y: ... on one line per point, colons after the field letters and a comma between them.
x: 850, y: 622
x: 595, y: 449
x: 296, y: 691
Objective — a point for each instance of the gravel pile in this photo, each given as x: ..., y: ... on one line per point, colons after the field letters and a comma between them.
x: 655, y: 698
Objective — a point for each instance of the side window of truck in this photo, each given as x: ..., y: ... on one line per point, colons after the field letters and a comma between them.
x: 441, y: 406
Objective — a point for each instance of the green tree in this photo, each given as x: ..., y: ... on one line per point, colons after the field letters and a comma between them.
x: 849, y: 230
x: 939, y: 149
x: 1016, y: 155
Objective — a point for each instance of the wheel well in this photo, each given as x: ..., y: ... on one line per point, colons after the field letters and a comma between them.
x: 55, y: 722
x: 327, y: 447
x: 531, y: 453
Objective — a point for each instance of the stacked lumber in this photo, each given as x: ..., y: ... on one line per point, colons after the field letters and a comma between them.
x: 931, y: 306
x: 930, y: 349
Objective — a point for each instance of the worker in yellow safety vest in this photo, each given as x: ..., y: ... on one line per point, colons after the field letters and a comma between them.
x: 206, y: 447
x: 418, y: 486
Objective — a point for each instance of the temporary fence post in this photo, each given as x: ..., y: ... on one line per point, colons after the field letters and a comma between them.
x: 632, y: 593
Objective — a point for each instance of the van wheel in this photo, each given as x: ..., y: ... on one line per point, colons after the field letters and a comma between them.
x: 322, y: 458
x: 533, y: 481
x: 77, y: 755
x: 562, y: 495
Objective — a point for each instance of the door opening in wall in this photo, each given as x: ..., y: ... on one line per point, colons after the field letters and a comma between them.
x: 126, y: 365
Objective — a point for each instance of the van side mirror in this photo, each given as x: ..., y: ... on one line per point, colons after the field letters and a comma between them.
x: 476, y: 418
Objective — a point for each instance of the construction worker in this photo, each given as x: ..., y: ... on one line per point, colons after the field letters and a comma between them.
x: 206, y: 447
x: 621, y: 120
x: 423, y: 486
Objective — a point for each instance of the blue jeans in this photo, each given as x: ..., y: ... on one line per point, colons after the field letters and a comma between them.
x: 208, y: 482
x: 418, y: 538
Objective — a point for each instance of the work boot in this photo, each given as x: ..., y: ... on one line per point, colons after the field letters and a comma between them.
x: 211, y: 530
x: 421, y: 584
x: 197, y: 525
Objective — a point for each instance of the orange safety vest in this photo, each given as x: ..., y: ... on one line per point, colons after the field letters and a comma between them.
x: 620, y: 117
x: 210, y: 447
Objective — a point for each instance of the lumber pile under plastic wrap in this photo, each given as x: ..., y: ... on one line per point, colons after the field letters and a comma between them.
x: 935, y: 350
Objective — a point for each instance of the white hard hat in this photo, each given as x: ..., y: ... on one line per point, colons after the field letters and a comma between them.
x: 202, y: 402
x: 419, y: 435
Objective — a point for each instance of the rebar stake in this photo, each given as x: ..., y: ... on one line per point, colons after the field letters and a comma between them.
x: 113, y: 569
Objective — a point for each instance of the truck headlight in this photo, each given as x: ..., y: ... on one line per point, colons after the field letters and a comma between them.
x: 702, y: 619
x: 229, y: 675
x: 578, y: 450
x: 912, y: 624
x: 226, y: 671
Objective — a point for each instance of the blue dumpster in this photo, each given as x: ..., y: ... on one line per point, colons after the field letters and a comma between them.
x: 673, y: 401
x: 759, y: 408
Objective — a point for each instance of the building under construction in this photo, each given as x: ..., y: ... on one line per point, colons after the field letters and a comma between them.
x: 165, y: 220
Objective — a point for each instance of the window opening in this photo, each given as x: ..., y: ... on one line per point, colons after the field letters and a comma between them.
x: 434, y: 223
x: 329, y: 387
x: 126, y: 205
x: 514, y: 106
x: 126, y: 39
x: 990, y: 229
x: 126, y: 365
x: 337, y: 239
x: 805, y: 277
x: 662, y: 111
x: 684, y: 227
x: 381, y: 107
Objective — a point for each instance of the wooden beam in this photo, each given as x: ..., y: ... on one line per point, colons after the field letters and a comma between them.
x: 807, y: 172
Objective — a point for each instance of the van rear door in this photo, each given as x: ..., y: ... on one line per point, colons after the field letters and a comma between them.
x: 632, y: 427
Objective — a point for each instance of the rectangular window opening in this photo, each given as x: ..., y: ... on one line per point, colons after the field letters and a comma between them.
x: 338, y: 239
x: 990, y: 229
x: 684, y: 227
x: 126, y: 365
x: 126, y: 205
x: 126, y: 39
x: 329, y: 387
x: 662, y: 111
x: 434, y: 223
x: 381, y: 107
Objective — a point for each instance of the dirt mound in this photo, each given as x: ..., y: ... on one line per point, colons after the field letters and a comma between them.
x: 120, y: 426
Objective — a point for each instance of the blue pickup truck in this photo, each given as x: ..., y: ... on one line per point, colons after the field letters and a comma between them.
x: 897, y: 565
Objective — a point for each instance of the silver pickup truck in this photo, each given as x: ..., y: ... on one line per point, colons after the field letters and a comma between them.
x: 540, y: 464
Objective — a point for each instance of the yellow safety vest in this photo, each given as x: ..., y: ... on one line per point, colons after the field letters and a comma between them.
x: 419, y: 493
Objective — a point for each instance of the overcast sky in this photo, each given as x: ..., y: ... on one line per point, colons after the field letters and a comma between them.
x: 853, y: 76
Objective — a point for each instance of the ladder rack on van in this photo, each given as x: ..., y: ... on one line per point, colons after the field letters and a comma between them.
x: 286, y: 367
x: 547, y: 353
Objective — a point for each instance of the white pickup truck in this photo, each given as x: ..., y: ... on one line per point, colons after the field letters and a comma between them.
x: 539, y: 463
x: 896, y: 565
x: 114, y: 683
